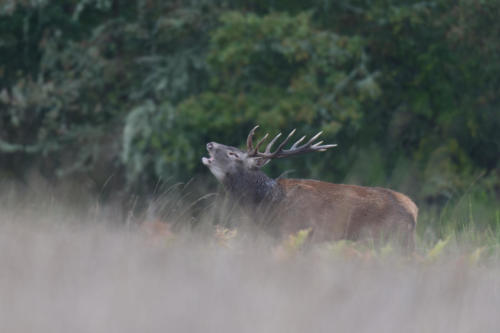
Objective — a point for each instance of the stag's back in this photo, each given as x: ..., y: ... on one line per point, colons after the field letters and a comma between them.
x: 337, y: 211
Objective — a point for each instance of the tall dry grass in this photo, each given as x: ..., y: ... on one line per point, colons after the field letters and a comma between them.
x: 66, y: 268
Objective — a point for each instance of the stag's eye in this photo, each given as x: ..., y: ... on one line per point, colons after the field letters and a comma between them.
x: 231, y: 154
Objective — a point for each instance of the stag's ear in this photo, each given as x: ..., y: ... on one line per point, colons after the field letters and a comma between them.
x: 256, y: 163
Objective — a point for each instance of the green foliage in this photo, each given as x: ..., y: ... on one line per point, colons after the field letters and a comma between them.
x: 435, y: 81
x: 407, y: 89
x: 437, y: 250
x: 275, y: 70
x: 280, y: 70
x: 66, y: 114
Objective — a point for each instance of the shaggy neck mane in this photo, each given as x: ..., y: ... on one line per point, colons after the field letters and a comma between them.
x: 253, y: 187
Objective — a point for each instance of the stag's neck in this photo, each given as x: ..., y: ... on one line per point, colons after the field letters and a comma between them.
x: 253, y: 188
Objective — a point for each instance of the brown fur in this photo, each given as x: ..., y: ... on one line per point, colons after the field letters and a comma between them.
x: 337, y: 211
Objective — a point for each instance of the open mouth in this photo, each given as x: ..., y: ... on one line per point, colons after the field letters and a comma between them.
x: 207, y: 160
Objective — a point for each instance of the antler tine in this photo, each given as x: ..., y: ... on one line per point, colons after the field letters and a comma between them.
x: 309, y: 146
x: 250, y: 138
x: 295, y: 149
x: 268, y: 154
x: 297, y: 142
x: 317, y: 143
x: 314, y: 137
x: 284, y: 142
x: 257, y: 146
x: 323, y: 148
x: 270, y: 144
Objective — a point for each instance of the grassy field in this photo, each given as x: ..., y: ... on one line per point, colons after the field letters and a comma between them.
x: 71, y: 268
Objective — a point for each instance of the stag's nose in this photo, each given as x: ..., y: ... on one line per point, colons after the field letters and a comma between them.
x: 210, y: 146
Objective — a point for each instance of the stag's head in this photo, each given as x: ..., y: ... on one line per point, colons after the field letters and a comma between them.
x: 226, y: 160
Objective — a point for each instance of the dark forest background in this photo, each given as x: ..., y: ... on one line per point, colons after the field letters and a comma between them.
x: 121, y: 95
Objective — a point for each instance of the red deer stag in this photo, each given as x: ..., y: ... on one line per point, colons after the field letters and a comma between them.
x: 332, y: 211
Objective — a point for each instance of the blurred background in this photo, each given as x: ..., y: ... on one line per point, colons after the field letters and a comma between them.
x: 118, y: 96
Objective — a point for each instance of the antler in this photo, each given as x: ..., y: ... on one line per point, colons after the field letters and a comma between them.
x: 295, y: 149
